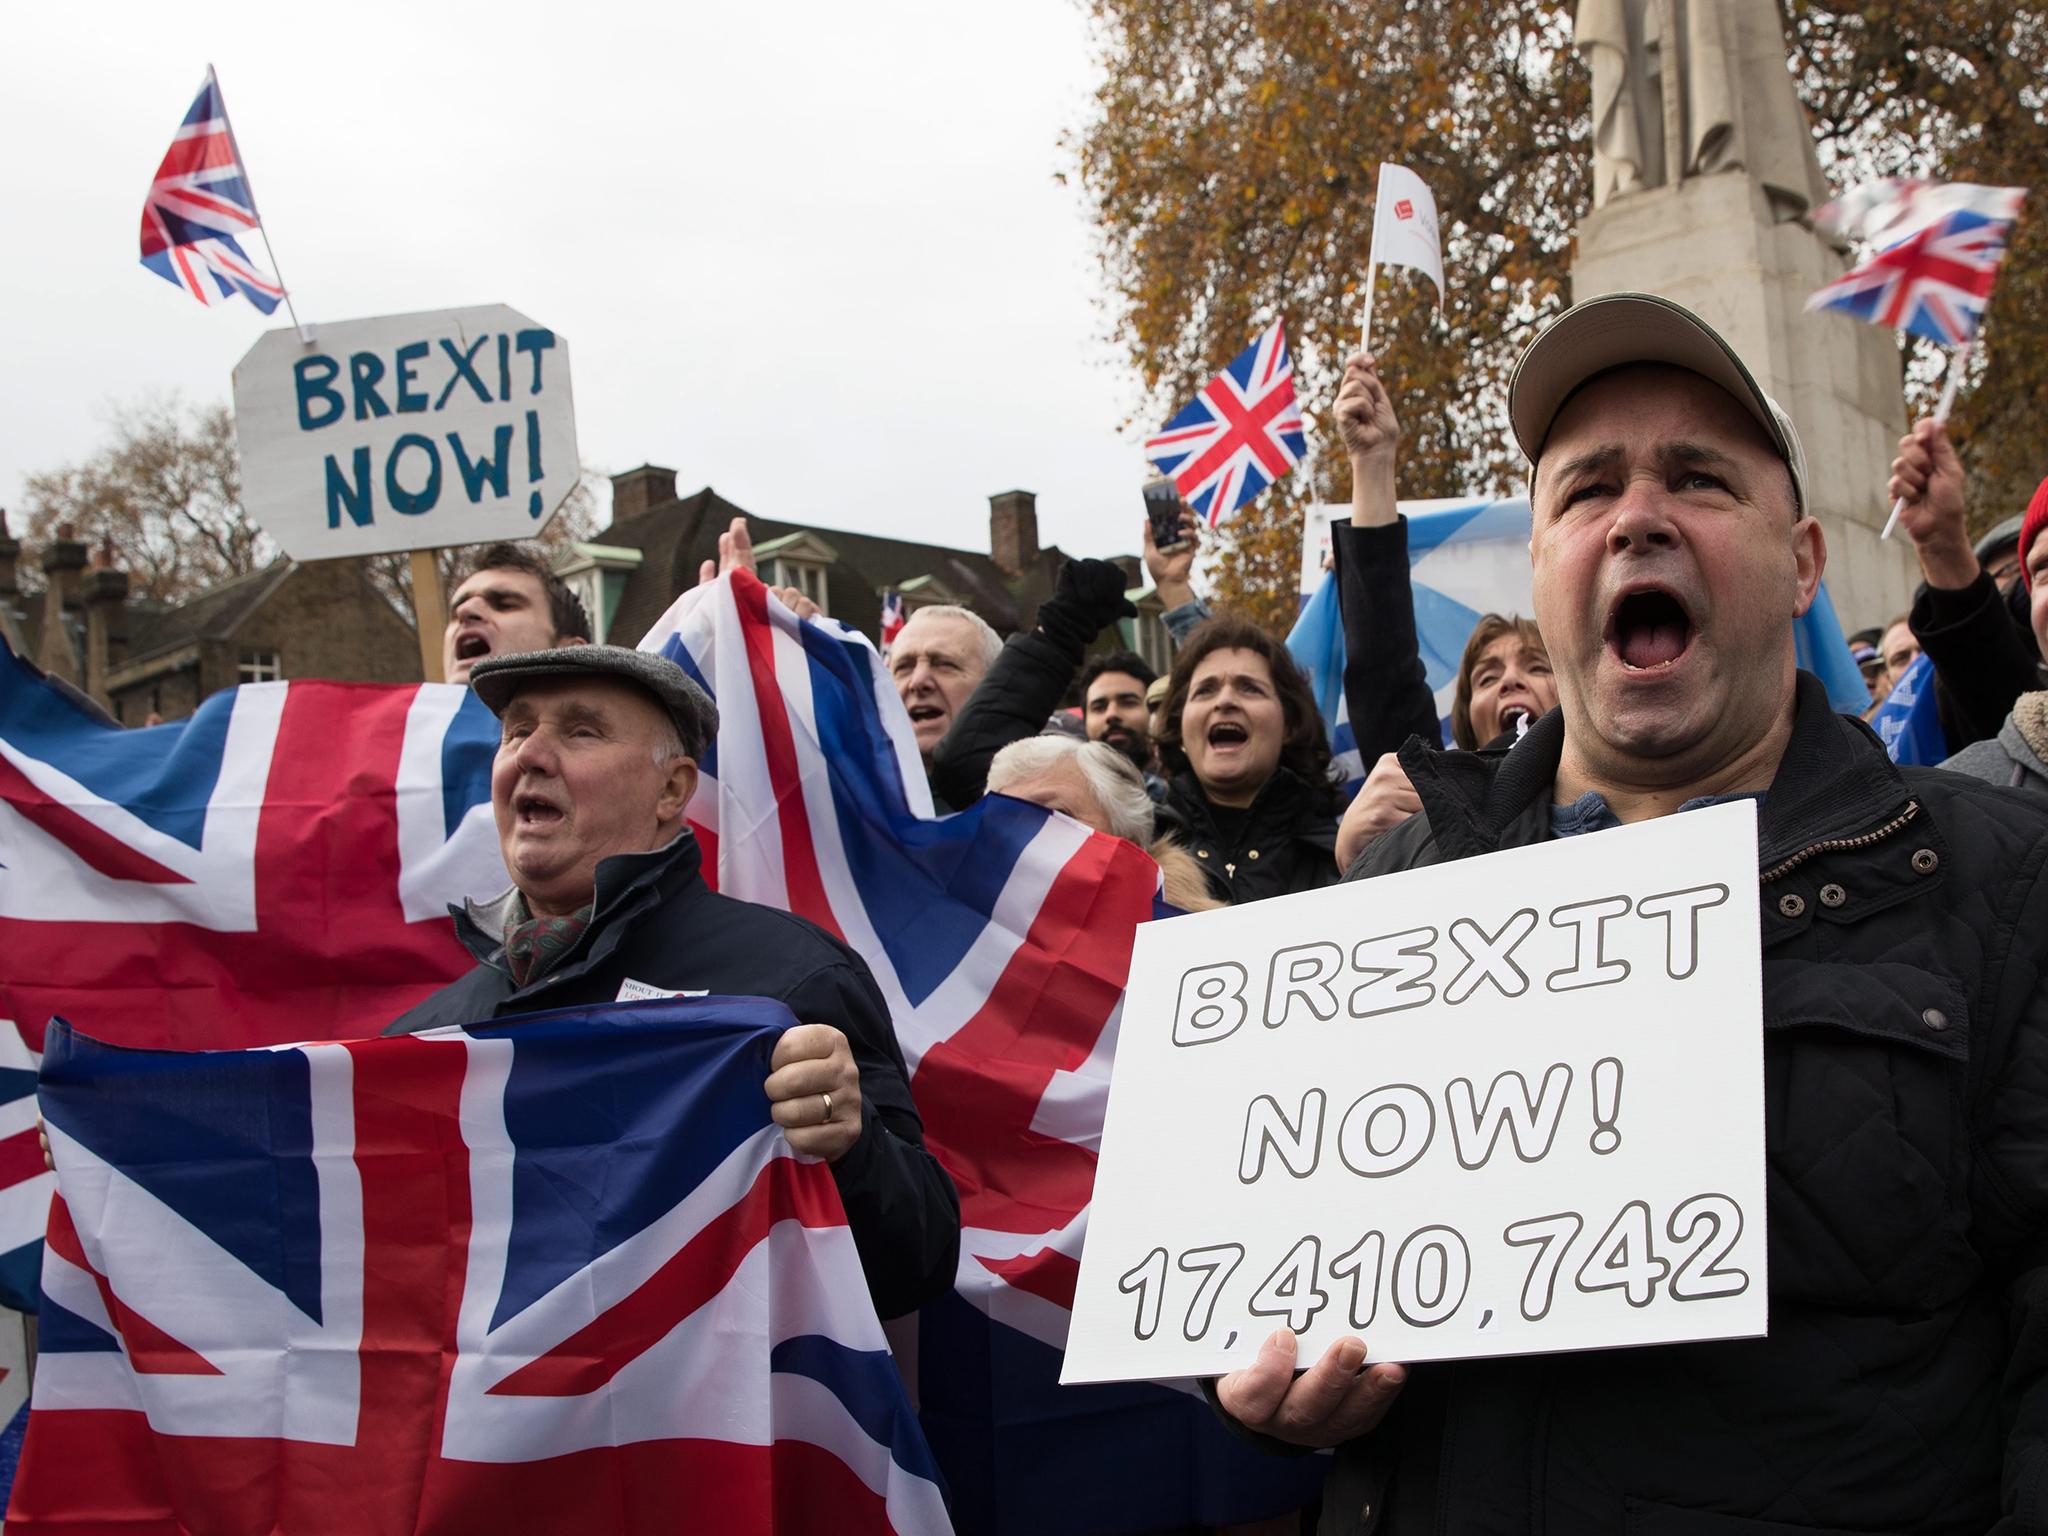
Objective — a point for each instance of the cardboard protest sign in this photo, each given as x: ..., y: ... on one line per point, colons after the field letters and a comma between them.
x: 406, y: 432
x: 1505, y: 1105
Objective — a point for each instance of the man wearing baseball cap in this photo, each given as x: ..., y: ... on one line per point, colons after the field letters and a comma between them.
x: 598, y: 760
x: 1904, y: 1382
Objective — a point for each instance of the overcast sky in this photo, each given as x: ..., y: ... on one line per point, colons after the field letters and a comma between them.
x: 808, y: 253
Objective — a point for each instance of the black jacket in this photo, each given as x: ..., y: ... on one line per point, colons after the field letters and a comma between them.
x: 1385, y: 688
x: 1027, y: 680
x: 1023, y: 687
x: 657, y: 922
x: 1287, y: 843
x: 1983, y: 654
x: 1904, y: 1383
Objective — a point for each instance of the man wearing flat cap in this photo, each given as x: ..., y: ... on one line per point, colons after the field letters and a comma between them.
x: 1903, y: 1386
x: 597, y: 761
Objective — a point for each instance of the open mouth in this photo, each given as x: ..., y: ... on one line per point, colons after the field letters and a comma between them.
x: 534, y: 812
x: 920, y: 713
x: 1228, y: 733
x: 472, y: 648
x: 1649, y: 629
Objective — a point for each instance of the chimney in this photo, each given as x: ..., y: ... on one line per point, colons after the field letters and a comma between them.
x: 63, y: 559
x: 1013, y: 531
x: 106, y: 625
x: 642, y: 490
x: 10, y: 552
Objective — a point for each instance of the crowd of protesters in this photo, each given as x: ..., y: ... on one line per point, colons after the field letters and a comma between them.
x: 1904, y: 1384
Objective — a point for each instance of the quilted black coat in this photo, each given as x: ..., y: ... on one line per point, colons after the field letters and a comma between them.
x: 1904, y: 1383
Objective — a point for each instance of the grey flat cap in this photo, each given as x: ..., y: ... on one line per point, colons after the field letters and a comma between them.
x: 497, y: 678
x: 1617, y: 329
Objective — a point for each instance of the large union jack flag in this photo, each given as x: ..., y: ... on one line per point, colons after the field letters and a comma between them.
x: 1939, y: 250
x: 277, y: 867
x: 198, y: 203
x: 1001, y: 938
x: 1238, y: 435
x: 560, y: 1277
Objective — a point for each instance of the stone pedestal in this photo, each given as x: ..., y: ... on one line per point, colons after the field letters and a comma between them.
x: 1709, y: 243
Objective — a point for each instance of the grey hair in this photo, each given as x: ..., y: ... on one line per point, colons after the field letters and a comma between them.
x: 1115, y: 782
x: 668, y: 742
x: 991, y: 643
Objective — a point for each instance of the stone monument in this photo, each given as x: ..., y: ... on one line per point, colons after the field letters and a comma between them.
x: 1704, y: 184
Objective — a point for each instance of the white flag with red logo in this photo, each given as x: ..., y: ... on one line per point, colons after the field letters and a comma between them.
x: 1404, y: 230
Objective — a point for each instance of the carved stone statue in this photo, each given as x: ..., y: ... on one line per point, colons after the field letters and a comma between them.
x: 1692, y: 88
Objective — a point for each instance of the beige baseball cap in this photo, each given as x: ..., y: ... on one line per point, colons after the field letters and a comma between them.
x: 1619, y: 329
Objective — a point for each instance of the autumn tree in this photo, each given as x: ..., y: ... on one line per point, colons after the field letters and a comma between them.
x: 1231, y: 165
x: 1950, y: 91
x: 1231, y: 159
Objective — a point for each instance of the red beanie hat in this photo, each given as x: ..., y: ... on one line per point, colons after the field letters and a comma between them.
x: 2037, y: 519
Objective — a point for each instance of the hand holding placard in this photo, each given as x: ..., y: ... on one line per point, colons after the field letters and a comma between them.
x: 1329, y: 1403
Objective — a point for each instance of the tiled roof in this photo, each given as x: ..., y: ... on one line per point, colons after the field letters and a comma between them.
x: 677, y: 536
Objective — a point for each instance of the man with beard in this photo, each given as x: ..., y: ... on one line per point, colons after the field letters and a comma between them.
x: 1114, y: 711
x: 1903, y: 1385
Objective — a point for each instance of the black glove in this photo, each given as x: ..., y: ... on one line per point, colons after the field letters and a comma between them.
x: 1089, y: 597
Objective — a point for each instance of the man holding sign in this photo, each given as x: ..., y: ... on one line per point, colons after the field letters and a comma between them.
x: 1903, y: 1384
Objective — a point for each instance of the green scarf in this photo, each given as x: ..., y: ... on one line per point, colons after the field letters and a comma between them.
x: 533, y: 945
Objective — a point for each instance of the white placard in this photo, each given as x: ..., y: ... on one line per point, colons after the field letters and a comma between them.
x: 1504, y: 1105
x: 406, y: 432
x: 1315, y: 542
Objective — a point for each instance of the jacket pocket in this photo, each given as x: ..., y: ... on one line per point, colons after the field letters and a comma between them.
x: 1864, y: 1070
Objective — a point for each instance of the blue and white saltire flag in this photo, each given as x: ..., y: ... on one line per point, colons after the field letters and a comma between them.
x: 1317, y: 645
x: 560, y: 1276
x: 1001, y: 938
x: 1908, y: 722
x: 1469, y: 558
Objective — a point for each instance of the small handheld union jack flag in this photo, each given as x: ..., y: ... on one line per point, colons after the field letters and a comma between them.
x: 1939, y: 247
x: 1239, y: 435
x: 199, y: 201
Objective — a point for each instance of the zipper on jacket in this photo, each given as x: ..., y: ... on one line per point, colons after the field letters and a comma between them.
x: 1842, y: 844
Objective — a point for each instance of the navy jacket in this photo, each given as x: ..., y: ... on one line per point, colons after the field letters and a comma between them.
x: 657, y: 922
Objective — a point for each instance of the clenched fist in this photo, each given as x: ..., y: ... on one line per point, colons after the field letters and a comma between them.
x: 814, y: 1088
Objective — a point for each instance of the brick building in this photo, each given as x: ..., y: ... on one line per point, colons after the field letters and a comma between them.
x: 629, y: 574
x: 139, y: 657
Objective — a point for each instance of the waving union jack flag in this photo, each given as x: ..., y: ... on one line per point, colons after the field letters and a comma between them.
x: 1001, y: 938
x: 1940, y: 246
x: 277, y: 867
x: 199, y: 201
x: 557, y: 1278
x: 1239, y: 435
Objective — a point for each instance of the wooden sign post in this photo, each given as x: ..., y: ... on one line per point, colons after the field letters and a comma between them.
x: 429, y: 611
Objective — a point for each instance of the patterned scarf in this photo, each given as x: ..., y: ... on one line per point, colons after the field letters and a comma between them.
x: 534, y: 944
